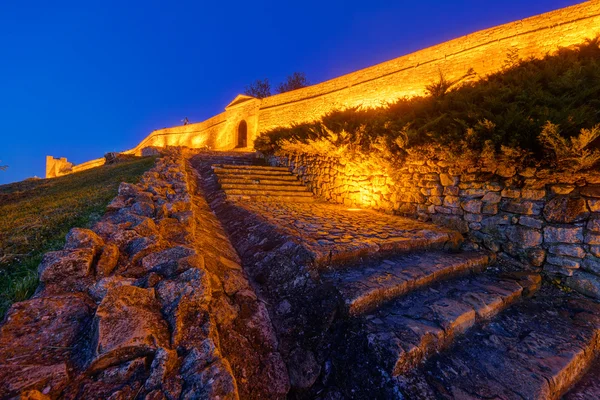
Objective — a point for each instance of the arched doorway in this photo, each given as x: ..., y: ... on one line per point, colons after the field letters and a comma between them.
x: 242, y: 135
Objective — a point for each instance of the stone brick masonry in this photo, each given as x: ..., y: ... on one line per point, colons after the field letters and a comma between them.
x: 540, y: 217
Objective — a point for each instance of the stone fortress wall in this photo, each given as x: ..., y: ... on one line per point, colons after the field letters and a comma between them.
x: 484, y: 51
x: 538, y: 216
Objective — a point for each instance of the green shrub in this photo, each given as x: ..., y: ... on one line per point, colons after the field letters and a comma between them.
x: 507, y: 109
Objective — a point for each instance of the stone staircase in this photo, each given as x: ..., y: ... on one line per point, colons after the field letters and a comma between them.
x: 417, y: 319
x: 440, y: 325
x: 247, y: 179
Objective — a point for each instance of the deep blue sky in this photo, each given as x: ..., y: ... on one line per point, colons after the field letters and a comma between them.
x: 81, y: 78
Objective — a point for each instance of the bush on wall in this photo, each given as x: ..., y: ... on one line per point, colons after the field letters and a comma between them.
x: 507, y: 110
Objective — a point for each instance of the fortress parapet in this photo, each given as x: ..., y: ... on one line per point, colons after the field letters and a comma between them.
x: 485, y: 52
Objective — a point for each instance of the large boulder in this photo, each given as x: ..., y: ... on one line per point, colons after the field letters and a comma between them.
x: 79, y: 238
x: 127, y: 325
x: 186, y: 300
x: 66, y: 270
x: 38, y: 339
x: 165, y: 262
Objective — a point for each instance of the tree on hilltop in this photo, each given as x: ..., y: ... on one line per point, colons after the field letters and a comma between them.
x: 259, y: 89
x: 295, y: 81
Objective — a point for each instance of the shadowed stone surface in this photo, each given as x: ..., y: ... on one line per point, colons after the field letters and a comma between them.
x: 334, y: 234
x: 410, y: 329
x: 535, y: 350
x: 366, y: 287
x: 588, y: 387
x: 128, y: 325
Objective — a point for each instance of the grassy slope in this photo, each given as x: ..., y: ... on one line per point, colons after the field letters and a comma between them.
x: 35, y: 216
x: 563, y: 88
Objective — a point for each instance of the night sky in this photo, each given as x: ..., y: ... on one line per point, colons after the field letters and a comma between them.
x: 81, y: 78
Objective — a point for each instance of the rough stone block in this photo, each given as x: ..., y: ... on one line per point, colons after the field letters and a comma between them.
x: 127, y: 325
x: 489, y: 209
x: 165, y: 262
x: 108, y: 260
x: 66, y: 269
x: 448, y: 180
x: 591, y: 191
x: 452, y: 201
x: 493, y: 186
x: 511, y: 193
x: 492, y: 198
x: 524, y: 237
x: 451, y: 221
x: 473, y: 193
x: 592, y: 238
x: 49, y: 379
x: 533, y: 194
x: 594, y: 205
x: 522, y: 207
x: 568, y: 250
x: 594, y: 225
x: 585, y: 283
x: 472, y: 206
x: 185, y: 300
x: 204, y: 371
x: 555, y: 234
x: 79, y: 238
x: 473, y: 217
x: 566, y: 210
x: 562, y: 189
x: 454, y: 190
x: 555, y: 270
x: 592, y: 264
x: 564, y: 262
x: 44, y: 330
x: 531, y: 222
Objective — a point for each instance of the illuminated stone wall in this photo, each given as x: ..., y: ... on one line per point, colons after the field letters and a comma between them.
x: 485, y: 51
x: 540, y: 217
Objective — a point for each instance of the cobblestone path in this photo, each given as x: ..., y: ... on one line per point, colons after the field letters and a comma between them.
x: 335, y: 233
x: 369, y: 305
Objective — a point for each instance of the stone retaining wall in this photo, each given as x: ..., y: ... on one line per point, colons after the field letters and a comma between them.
x: 144, y: 305
x: 544, y: 218
x: 283, y: 271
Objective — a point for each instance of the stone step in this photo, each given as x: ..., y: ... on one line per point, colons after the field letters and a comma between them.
x: 256, y: 192
x: 239, y: 171
x: 240, y: 162
x: 272, y: 198
x: 237, y: 163
x: 291, y: 187
x: 267, y: 179
x: 255, y: 168
x: 535, y: 350
x: 409, y: 330
x: 588, y: 387
x: 366, y: 287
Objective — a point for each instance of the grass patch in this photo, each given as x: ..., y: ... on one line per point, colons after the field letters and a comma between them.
x: 36, y: 215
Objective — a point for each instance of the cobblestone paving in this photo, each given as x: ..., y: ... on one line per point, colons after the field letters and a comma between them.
x: 335, y: 233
